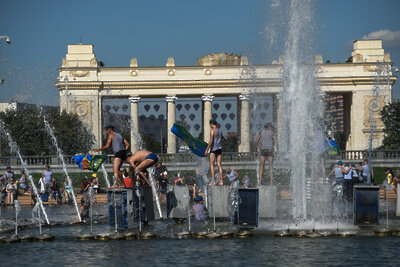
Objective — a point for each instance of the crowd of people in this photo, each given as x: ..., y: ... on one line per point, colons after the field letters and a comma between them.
x: 345, y: 175
x: 11, y: 187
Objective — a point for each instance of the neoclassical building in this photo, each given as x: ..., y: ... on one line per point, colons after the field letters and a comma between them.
x: 84, y: 85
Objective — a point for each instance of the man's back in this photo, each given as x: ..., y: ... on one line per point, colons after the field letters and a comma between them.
x: 267, y: 139
x: 117, y: 143
x: 217, y: 140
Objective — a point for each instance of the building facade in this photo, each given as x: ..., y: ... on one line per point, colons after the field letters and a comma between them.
x: 365, y: 82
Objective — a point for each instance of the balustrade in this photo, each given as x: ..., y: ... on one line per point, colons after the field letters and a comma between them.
x: 348, y: 155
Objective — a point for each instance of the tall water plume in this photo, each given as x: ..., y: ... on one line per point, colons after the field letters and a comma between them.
x: 60, y: 155
x: 301, y: 107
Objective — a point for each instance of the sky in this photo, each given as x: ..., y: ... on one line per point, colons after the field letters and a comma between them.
x: 154, y: 30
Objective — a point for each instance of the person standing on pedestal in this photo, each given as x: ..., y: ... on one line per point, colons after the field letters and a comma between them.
x: 215, y: 147
x: 119, y: 146
x: 268, y: 141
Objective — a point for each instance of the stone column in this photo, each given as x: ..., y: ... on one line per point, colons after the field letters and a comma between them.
x: 207, y: 115
x: 135, y: 137
x: 171, y: 148
x: 244, y: 124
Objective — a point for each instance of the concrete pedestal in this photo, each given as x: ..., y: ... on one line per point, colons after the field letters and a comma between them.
x: 266, y: 201
x: 218, y: 201
x: 366, y: 205
x: 142, y: 209
x: 178, y: 201
x: 246, y: 214
x: 117, y: 207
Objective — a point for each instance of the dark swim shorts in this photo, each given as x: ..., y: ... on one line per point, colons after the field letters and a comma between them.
x: 153, y: 157
x: 267, y: 152
x: 217, y: 152
x: 121, y: 154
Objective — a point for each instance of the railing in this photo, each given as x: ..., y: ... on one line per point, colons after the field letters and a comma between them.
x: 191, y: 159
x: 359, y: 155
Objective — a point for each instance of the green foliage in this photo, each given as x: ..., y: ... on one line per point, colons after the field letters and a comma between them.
x: 27, y: 129
x: 151, y: 144
x: 391, y: 119
x: 72, y: 136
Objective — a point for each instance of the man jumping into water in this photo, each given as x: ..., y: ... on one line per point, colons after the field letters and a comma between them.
x: 119, y: 146
x: 140, y: 161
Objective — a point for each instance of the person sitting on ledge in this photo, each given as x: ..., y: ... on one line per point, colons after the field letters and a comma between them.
x: 199, y: 209
x: 11, y: 189
x: 140, y: 161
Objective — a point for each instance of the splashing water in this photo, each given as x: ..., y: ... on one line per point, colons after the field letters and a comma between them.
x: 49, y: 129
x: 105, y: 175
x: 382, y: 75
x: 186, y: 197
x: 17, y: 211
x: 36, y: 212
x: 14, y: 147
x: 301, y: 107
x: 153, y: 187
x: 103, y: 169
x: 91, y: 200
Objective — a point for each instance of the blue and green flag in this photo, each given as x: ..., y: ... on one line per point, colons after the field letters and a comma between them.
x: 331, y: 147
x: 90, y: 162
x: 198, y: 147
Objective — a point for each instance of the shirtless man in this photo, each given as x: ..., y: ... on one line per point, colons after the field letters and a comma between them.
x: 140, y: 161
x: 119, y: 146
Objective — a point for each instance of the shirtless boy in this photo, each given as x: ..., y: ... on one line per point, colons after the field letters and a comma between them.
x: 140, y: 161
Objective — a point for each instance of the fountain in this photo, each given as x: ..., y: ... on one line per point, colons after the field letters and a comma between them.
x: 105, y: 175
x: 60, y: 155
x: 153, y: 187
x: 300, y: 101
x: 36, y: 216
x: 17, y: 211
x: 15, y: 148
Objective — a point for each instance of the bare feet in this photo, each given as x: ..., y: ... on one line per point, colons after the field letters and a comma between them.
x: 221, y: 183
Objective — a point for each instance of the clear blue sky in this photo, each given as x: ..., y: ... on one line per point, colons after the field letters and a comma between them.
x: 152, y: 31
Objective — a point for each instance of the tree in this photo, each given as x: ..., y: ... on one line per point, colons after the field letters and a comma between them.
x: 72, y: 135
x: 391, y: 119
x: 151, y: 144
x: 27, y: 129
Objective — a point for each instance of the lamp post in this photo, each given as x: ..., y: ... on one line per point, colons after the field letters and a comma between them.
x: 8, y: 40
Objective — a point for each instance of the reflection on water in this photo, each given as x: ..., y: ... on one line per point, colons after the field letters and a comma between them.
x: 260, y: 250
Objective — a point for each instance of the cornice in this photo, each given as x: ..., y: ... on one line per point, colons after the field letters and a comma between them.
x: 178, y: 84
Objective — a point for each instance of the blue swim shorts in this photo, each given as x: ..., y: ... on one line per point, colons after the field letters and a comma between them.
x: 153, y: 157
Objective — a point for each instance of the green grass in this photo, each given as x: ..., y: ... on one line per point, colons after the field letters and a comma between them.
x: 380, y: 175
